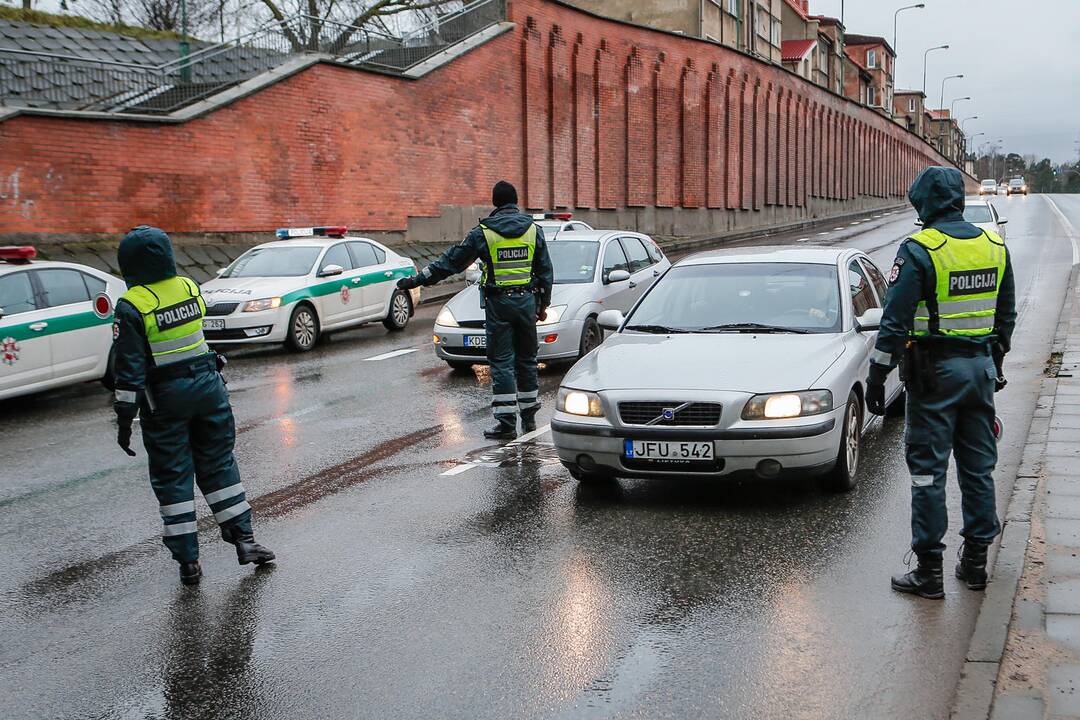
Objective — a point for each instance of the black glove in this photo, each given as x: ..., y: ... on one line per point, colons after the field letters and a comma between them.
x: 999, y: 364
x: 125, y: 415
x: 408, y: 283
x: 541, y: 313
x: 875, y: 389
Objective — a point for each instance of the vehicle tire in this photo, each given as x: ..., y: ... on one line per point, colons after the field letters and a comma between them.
x: 589, y: 478
x: 303, y: 328
x: 459, y: 366
x: 844, y: 476
x: 400, y: 312
x: 591, y: 337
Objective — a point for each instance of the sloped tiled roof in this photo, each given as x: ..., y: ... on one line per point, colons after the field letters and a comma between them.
x: 795, y: 50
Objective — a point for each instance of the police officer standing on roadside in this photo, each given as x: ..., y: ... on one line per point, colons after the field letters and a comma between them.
x: 515, y: 292
x: 163, y: 371
x: 948, y: 320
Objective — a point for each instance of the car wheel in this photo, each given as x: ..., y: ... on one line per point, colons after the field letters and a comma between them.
x: 589, y: 478
x: 303, y: 329
x: 400, y: 311
x: 459, y: 366
x: 591, y: 337
x: 844, y: 476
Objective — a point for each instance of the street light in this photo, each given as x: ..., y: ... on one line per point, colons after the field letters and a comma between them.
x: 973, y: 117
x: 930, y: 50
x: 894, y: 17
x: 952, y: 107
x: 943, y: 81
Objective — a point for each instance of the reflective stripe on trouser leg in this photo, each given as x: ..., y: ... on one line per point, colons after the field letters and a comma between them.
x: 501, y: 360
x: 975, y: 452
x: 165, y: 436
x: 528, y: 402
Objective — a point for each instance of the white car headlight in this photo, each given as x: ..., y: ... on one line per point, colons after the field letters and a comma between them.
x: 263, y: 304
x: 554, y: 314
x: 446, y: 318
x: 787, y: 405
x: 578, y: 402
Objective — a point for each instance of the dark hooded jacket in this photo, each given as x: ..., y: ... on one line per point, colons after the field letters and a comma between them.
x: 508, y: 221
x: 937, y: 195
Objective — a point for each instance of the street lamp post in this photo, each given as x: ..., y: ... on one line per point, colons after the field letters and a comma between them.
x: 973, y: 117
x: 943, y: 81
x: 952, y: 107
x: 894, y: 17
x: 928, y: 51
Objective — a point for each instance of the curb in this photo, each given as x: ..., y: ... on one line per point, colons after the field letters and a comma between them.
x: 974, y: 696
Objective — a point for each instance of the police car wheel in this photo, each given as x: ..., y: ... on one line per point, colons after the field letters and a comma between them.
x: 400, y: 311
x: 303, y: 329
x: 844, y: 476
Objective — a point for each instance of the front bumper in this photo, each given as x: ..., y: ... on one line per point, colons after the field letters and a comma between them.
x: 253, y: 328
x: 451, y: 342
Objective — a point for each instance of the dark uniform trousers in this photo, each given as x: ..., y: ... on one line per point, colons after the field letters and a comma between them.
x: 958, y: 417
x: 510, y: 325
x: 189, y: 438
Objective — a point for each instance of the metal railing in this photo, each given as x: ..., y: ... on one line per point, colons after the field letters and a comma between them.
x: 68, y: 82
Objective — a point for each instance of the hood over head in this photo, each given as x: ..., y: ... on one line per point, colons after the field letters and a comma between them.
x: 937, y: 194
x: 509, y: 221
x: 146, y: 256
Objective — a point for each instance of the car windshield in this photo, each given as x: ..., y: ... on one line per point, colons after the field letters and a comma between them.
x: 742, y: 297
x: 574, y: 260
x: 1016, y: 183
x: 978, y: 214
x: 988, y: 183
x: 274, y: 262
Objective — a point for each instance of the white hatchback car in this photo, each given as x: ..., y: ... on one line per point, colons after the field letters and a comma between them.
x: 595, y: 270
x: 737, y: 362
x: 55, y: 322
x: 312, y: 281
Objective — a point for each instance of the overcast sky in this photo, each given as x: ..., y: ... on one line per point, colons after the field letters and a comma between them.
x: 1019, y: 60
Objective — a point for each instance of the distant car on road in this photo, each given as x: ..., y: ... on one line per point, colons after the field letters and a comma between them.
x: 594, y: 270
x: 55, y: 322
x: 741, y: 362
x: 983, y: 214
x: 311, y: 281
x: 1017, y: 186
x: 988, y: 187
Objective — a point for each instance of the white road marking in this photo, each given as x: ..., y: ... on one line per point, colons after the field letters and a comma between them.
x: 530, y: 435
x: 802, y: 239
x: 459, y: 469
x: 823, y: 233
x: 1070, y: 231
x: 855, y: 222
x: 395, y: 353
x: 465, y: 467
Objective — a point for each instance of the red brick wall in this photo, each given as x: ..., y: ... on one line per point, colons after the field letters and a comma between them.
x: 577, y: 110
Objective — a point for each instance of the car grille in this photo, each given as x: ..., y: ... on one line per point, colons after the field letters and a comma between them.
x: 469, y: 351
x: 221, y: 309
x: 471, y: 323
x: 694, y: 414
x: 212, y: 335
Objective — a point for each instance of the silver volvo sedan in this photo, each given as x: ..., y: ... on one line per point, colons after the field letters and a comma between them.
x: 737, y: 362
x: 595, y: 270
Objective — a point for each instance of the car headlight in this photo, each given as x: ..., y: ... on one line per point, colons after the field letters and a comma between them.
x: 787, y: 405
x: 578, y: 402
x: 554, y: 314
x: 446, y: 318
x: 264, y: 304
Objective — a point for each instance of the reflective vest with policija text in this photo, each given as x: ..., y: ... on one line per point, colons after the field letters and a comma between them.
x: 172, y: 311
x: 969, y: 272
x: 511, y: 258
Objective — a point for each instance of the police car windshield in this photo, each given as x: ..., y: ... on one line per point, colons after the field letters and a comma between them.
x: 273, y: 262
x: 574, y: 260
x: 977, y: 214
x: 744, y: 297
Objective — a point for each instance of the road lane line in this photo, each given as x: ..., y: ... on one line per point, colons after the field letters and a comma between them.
x: 395, y: 353
x: 457, y: 470
x: 802, y: 239
x: 823, y: 233
x: 530, y: 435
x: 1070, y: 231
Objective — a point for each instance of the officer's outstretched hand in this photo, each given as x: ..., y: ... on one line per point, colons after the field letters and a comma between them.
x: 408, y: 283
x: 125, y: 416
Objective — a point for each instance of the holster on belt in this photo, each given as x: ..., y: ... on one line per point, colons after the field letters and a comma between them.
x: 917, y: 368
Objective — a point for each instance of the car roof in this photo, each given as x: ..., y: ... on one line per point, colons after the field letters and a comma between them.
x: 7, y: 267
x: 313, y: 241
x: 593, y: 235
x: 812, y: 254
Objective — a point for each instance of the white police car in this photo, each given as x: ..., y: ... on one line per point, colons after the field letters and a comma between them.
x: 55, y: 322
x: 311, y: 281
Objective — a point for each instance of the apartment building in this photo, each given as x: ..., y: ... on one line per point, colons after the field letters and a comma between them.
x: 874, y: 54
x: 909, y: 110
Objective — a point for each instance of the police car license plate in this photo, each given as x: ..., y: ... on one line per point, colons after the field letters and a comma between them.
x: 476, y: 341
x: 213, y: 324
x: 662, y: 450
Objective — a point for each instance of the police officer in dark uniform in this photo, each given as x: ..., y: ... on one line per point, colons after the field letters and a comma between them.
x: 163, y: 371
x: 515, y: 293
x: 948, y: 320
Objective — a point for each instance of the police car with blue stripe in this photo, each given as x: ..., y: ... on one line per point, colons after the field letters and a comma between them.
x: 55, y: 322
x: 308, y: 282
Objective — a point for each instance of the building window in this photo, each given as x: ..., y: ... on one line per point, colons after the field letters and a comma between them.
x: 775, y: 32
x: 762, y: 23
x: 911, y: 105
x: 733, y: 7
x: 871, y: 96
x: 871, y: 59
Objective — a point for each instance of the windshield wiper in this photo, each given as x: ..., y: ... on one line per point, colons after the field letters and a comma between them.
x: 752, y: 327
x: 663, y: 329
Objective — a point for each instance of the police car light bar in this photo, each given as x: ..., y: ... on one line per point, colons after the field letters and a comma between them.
x: 18, y: 253
x: 334, y: 231
x: 553, y: 216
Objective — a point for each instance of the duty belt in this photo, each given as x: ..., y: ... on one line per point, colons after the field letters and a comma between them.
x: 960, y: 349
x: 199, y: 365
x: 524, y: 290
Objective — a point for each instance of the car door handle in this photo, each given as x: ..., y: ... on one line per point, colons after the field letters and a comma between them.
x: 656, y: 273
x: 356, y: 280
x: 389, y: 273
x: 38, y: 327
x: 633, y: 285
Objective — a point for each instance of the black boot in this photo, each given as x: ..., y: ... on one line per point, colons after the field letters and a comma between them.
x: 190, y: 572
x: 972, y: 566
x: 528, y: 424
x: 247, y: 550
x: 501, y: 431
x: 925, y: 580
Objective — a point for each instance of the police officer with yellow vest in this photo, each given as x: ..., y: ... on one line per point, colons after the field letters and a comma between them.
x: 948, y: 320
x: 163, y: 371
x: 515, y: 293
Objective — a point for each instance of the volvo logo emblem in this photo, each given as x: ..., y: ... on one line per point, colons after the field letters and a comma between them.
x: 669, y: 413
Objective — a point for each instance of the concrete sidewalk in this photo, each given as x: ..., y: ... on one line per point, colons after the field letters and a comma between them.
x: 1024, y: 659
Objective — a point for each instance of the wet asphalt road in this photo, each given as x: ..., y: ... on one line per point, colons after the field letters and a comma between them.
x: 501, y: 591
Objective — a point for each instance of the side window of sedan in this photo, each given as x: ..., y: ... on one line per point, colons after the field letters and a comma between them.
x: 614, y: 258
x: 862, y: 297
x: 62, y: 287
x: 337, y: 255
x: 636, y: 253
x: 16, y: 294
x: 363, y: 254
x: 877, y: 279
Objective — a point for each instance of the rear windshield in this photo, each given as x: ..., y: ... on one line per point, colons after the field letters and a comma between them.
x: 978, y: 214
x: 574, y: 260
x: 274, y: 262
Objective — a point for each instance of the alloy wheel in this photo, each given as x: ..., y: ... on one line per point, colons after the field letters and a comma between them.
x: 400, y: 310
x: 304, y: 328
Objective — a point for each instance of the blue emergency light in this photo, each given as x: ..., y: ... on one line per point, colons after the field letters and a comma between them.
x: 334, y: 231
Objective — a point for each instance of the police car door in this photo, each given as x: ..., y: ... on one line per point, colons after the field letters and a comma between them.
x: 892, y: 383
x: 371, y: 278
x: 25, y: 351
x: 339, y: 301
x: 83, y: 335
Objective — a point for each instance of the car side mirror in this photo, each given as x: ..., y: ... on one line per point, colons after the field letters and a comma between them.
x: 616, y: 276
x: 869, y: 320
x: 611, y: 319
x: 220, y: 271
x: 1002, y: 221
x: 473, y: 274
x: 919, y: 223
x: 331, y: 270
